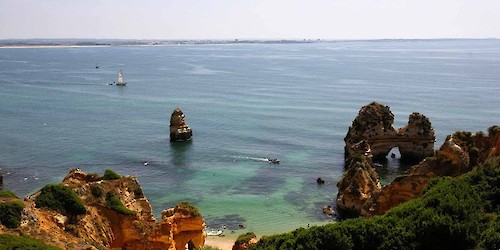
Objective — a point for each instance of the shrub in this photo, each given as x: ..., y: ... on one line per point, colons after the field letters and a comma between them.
x: 60, y: 198
x: 15, y: 242
x: 10, y: 213
x: 111, y: 175
x: 96, y: 191
x: 244, y: 238
x: 114, y: 203
x: 189, y: 208
x: 7, y: 194
x: 138, y: 192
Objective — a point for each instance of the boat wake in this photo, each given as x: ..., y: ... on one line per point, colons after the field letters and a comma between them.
x: 262, y: 159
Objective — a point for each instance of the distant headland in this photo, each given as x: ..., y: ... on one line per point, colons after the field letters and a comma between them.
x: 91, y: 42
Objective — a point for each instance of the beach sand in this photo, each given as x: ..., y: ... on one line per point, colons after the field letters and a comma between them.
x: 223, y: 243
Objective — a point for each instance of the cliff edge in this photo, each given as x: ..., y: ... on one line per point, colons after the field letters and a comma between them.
x: 115, y: 214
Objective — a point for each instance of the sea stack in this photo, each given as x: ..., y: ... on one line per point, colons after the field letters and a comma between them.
x: 179, y: 129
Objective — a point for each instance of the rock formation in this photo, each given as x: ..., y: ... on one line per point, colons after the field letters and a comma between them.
x: 374, y: 124
x: 104, y: 227
x: 245, y: 241
x: 179, y: 129
x: 359, y: 180
x: 459, y: 154
x: 359, y: 189
x: 372, y: 136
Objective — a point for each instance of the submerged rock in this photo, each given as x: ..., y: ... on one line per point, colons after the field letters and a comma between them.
x: 179, y: 129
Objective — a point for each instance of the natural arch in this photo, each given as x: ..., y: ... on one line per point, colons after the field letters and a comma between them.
x: 374, y: 125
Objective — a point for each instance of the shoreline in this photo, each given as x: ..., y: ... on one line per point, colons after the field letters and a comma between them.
x: 221, y: 242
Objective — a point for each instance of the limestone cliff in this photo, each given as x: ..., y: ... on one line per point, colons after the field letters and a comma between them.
x: 179, y: 129
x: 359, y: 180
x: 372, y: 136
x: 103, y: 226
x: 374, y: 124
x: 459, y: 154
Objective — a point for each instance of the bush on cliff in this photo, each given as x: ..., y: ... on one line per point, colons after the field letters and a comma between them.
x: 114, y: 203
x: 60, y: 198
x: 15, y: 242
x: 453, y: 213
x: 111, y: 175
x: 10, y: 213
x: 244, y: 238
x: 187, y: 208
x: 7, y: 194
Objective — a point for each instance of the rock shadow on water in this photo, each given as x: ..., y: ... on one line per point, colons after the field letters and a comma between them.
x: 179, y: 153
x: 227, y: 222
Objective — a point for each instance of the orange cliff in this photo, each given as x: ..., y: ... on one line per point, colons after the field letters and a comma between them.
x: 104, y: 227
x: 459, y: 154
x: 372, y: 136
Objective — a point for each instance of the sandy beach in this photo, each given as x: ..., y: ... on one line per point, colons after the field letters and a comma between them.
x: 223, y: 243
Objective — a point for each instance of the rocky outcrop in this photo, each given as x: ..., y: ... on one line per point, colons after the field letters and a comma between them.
x: 103, y: 226
x: 372, y: 136
x: 245, y: 241
x: 374, y: 125
x: 359, y: 181
x: 179, y: 129
x: 459, y: 154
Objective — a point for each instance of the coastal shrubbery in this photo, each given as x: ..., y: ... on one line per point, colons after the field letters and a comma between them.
x: 114, y: 203
x: 15, y: 242
x: 453, y: 213
x: 244, y: 238
x: 7, y: 194
x: 10, y: 213
x: 111, y: 175
x: 60, y: 198
x: 187, y: 208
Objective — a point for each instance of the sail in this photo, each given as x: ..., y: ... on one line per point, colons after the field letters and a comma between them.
x: 120, y: 78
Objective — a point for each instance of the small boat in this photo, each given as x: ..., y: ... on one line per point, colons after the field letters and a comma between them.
x: 274, y: 161
x: 97, y: 66
x: 214, y: 232
x: 119, y: 81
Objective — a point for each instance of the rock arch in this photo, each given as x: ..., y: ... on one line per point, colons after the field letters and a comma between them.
x: 373, y: 124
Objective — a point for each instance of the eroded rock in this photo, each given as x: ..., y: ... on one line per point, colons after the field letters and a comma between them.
x: 179, y: 129
x: 105, y: 227
x: 374, y: 125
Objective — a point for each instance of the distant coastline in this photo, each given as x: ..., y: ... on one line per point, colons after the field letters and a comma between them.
x: 65, y: 43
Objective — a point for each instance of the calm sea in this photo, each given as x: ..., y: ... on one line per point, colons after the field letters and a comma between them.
x: 293, y: 102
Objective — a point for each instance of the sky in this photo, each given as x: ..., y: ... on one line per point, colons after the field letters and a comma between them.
x: 250, y: 19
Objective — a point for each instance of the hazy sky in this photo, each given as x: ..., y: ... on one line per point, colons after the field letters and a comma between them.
x: 258, y: 19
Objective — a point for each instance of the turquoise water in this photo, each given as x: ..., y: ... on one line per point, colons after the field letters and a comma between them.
x: 294, y: 102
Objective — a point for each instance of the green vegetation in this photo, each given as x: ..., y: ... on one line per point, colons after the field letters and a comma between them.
x: 7, y: 194
x: 15, y: 242
x: 111, y: 175
x: 114, y: 203
x: 96, y: 191
x: 453, y: 213
x: 60, y: 198
x: 189, y: 208
x: 209, y: 248
x: 244, y: 238
x: 10, y: 213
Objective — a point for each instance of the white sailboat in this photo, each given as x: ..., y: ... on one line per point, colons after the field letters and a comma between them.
x: 120, y: 81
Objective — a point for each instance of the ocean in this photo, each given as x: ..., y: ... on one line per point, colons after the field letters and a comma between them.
x: 245, y: 103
